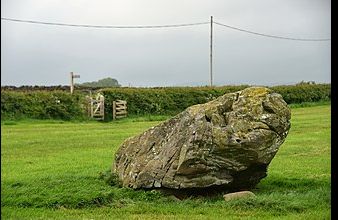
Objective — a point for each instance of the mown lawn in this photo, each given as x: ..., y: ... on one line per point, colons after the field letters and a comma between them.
x: 51, y: 170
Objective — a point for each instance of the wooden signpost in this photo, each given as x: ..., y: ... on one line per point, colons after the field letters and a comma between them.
x: 72, y: 76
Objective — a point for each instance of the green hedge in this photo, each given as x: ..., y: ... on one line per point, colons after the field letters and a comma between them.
x: 167, y: 100
x: 141, y: 101
x: 42, y: 105
x: 173, y: 100
x: 293, y: 94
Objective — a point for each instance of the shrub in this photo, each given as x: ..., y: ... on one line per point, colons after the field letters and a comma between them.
x: 41, y: 105
x: 304, y: 92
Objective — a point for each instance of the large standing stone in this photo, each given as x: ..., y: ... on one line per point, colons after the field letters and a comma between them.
x: 227, y: 142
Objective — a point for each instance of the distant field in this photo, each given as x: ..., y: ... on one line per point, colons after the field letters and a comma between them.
x: 51, y: 170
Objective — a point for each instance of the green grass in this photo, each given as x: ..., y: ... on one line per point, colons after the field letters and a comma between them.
x: 53, y: 169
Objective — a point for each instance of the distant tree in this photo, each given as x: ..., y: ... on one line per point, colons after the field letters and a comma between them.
x: 106, y: 82
x: 306, y: 83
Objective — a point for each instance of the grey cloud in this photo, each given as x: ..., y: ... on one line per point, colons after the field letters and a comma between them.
x: 44, y: 55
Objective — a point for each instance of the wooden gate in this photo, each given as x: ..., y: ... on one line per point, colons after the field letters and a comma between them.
x: 96, y: 109
x: 119, y: 109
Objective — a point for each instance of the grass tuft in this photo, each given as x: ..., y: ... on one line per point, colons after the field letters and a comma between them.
x: 110, y: 178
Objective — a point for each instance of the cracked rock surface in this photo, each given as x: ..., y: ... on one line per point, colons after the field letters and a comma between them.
x: 227, y: 142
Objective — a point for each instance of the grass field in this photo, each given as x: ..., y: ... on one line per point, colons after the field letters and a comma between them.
x: 51, y: 170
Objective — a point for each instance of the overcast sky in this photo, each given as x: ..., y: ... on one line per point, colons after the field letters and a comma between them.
x: 35, y: 54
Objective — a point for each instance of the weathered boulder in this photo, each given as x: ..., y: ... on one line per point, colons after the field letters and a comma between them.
x: 227, y: 142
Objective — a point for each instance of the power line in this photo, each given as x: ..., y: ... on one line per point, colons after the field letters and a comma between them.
x: 104, y: 26
x: 162, y: 26
x: 268, y: 35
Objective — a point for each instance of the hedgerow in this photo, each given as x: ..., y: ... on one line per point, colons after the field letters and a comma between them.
x: 42, y: 105
x: 304, y: 92
x: 141, y: 101
x: 167, y: 100
x: 173, y: 100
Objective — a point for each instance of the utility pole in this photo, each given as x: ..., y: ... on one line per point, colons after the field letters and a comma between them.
x: 211, y: 52
x: 72, y: 76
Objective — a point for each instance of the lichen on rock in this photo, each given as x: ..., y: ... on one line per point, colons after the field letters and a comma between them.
x: 228, y: 142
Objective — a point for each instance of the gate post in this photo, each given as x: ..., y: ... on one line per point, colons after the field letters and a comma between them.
x: 114, y: 110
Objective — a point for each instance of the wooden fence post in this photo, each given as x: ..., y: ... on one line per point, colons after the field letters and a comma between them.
x: 91, y: 107
x: 114, y: 110
x: 102, y: 107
